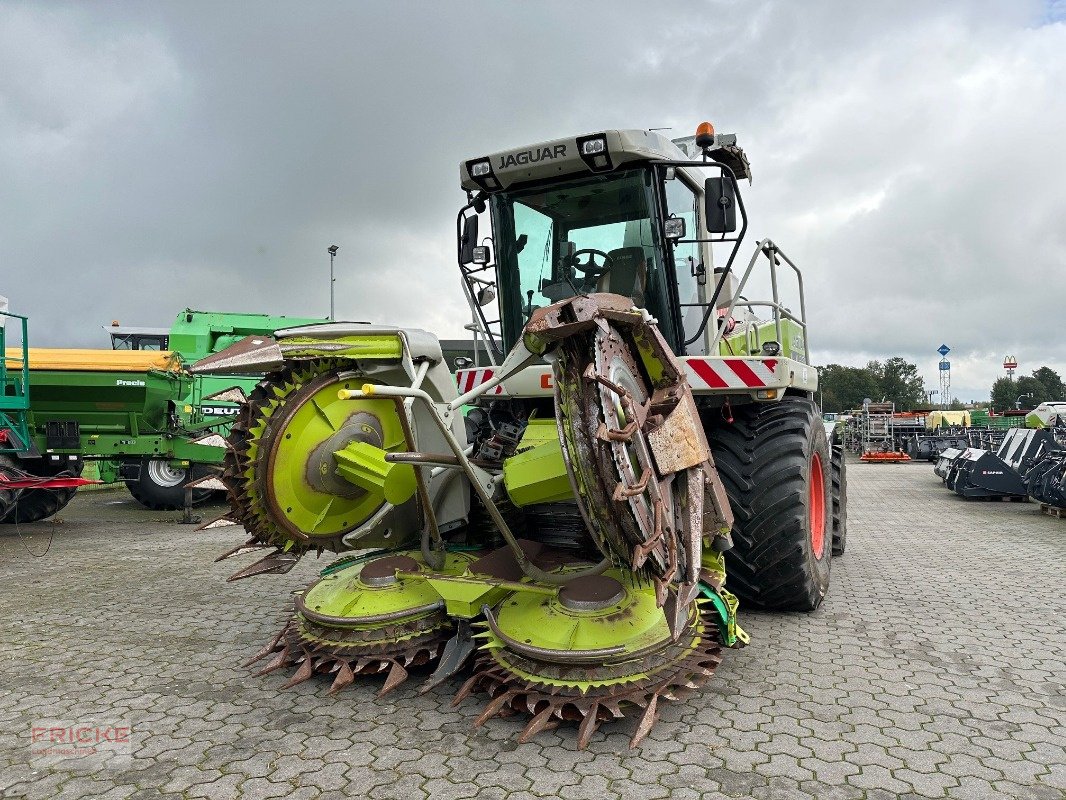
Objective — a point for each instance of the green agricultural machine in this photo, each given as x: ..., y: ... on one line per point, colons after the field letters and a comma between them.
x: 31, y: 486
x: 134, y: 410
x: 202, y: 408
x: 637, y: 435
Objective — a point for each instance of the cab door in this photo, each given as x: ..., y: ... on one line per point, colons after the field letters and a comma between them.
x: 682, y: 200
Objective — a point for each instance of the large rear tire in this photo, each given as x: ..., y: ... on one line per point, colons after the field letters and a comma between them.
x: 33, y: 505
x: 162, y: 488
x: 775, y: 462
x: 840, y: 500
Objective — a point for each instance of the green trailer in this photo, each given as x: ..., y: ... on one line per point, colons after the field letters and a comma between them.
x: 208, y: 403
x: 981, y: 418
x: 133, y: 410
x: 126, y: 411
x: 199, y: 406
x: 32, y: 486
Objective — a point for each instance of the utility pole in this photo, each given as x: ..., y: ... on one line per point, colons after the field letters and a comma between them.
x: 332, y: 250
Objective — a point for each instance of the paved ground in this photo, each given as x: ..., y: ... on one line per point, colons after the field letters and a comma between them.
x: 935, y: 668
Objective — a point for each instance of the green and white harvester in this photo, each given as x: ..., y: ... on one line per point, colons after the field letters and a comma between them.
x: 557, y: 524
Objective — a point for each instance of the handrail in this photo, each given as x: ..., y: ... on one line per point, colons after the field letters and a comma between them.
x: 772, y: 252
x: 15, y: 425
x: 22, y: 387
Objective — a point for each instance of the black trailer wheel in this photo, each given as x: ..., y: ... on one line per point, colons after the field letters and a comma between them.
x: 775, y: 462
x: 33, y: 505
x: 161, y: 487
x: 840, y: 500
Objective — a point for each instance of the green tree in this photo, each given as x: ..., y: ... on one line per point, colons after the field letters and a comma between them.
x: 1052, y: 383
x: 899, y: 382
x: 843, y: 388
x: 1034, y: 387
x: 1004, y: 390
x: 1044, y: 384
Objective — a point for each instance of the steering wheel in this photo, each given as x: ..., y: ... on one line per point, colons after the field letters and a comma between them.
x: 592, y: 272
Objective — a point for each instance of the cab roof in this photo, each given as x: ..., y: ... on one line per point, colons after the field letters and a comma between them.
x: 566, y: 156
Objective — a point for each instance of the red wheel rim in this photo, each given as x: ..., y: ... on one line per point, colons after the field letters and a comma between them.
x: 817, y: 506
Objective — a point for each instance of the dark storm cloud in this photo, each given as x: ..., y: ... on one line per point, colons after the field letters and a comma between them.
x: 157, y: 156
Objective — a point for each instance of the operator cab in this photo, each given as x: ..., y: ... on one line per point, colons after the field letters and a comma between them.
x: 590, y: 235
x: 620, y: 211
x: 124, y: 337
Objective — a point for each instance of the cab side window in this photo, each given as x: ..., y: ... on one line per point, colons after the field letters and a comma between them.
x: 682, y: 201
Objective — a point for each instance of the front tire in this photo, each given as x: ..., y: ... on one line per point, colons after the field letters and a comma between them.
x: 161, y: 487
x: 775, y: 462
x: 33, y: 505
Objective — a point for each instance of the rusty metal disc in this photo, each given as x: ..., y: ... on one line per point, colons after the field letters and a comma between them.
x: 591, y: 593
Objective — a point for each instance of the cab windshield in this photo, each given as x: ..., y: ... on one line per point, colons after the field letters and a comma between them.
x: 593, y: 234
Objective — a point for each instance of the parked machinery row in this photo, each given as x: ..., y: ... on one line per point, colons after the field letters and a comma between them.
x: 929, y: 446
x: 1028, y: 463
x: 894, y: 433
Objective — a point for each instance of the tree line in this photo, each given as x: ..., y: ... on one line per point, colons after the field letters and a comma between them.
x: 1043, y: 385
x: 895, y: 380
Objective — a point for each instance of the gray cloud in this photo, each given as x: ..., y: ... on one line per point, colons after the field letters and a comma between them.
x: 157, y: 156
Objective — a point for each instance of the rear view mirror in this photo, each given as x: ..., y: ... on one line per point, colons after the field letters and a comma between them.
x: 468, y: 241
x: 720, y: 205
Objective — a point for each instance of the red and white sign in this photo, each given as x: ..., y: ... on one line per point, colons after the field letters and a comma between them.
x: 702, y: 373
x: 730, y: 373
x: 469, y: 379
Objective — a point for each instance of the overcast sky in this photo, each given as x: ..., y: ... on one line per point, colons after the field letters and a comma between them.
x: 909, y: 156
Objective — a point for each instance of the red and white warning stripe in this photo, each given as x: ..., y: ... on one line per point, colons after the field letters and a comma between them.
x: 704, y: 374
x: 730, y: 373
x: 469, y: 379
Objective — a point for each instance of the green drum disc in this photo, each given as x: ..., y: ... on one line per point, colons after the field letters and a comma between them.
x: 304, y: 490
x: 370, y: 594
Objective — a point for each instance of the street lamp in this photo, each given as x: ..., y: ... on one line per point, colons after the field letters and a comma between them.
x: 1018, y: 401
x: 332, y: 250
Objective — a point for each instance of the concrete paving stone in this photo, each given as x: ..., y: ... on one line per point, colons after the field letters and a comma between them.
x: 116, y: 793
x: 830, y: 773
x: 220, y: 789
x: 925, y: 784
x: 155, y: 794
x: 400, y: 787
x: 733, y: 783
x: 785, y: 743
x: 832, y: 791
x: 902, y: 684
x: 39, y: 786
x: 181, y: 778
x: 1026, y: 791
x: 784, y: 766
x: 878, y: 778
x: 262, y: 789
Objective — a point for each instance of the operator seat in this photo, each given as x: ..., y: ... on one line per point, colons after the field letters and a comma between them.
x: 628, y: 276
